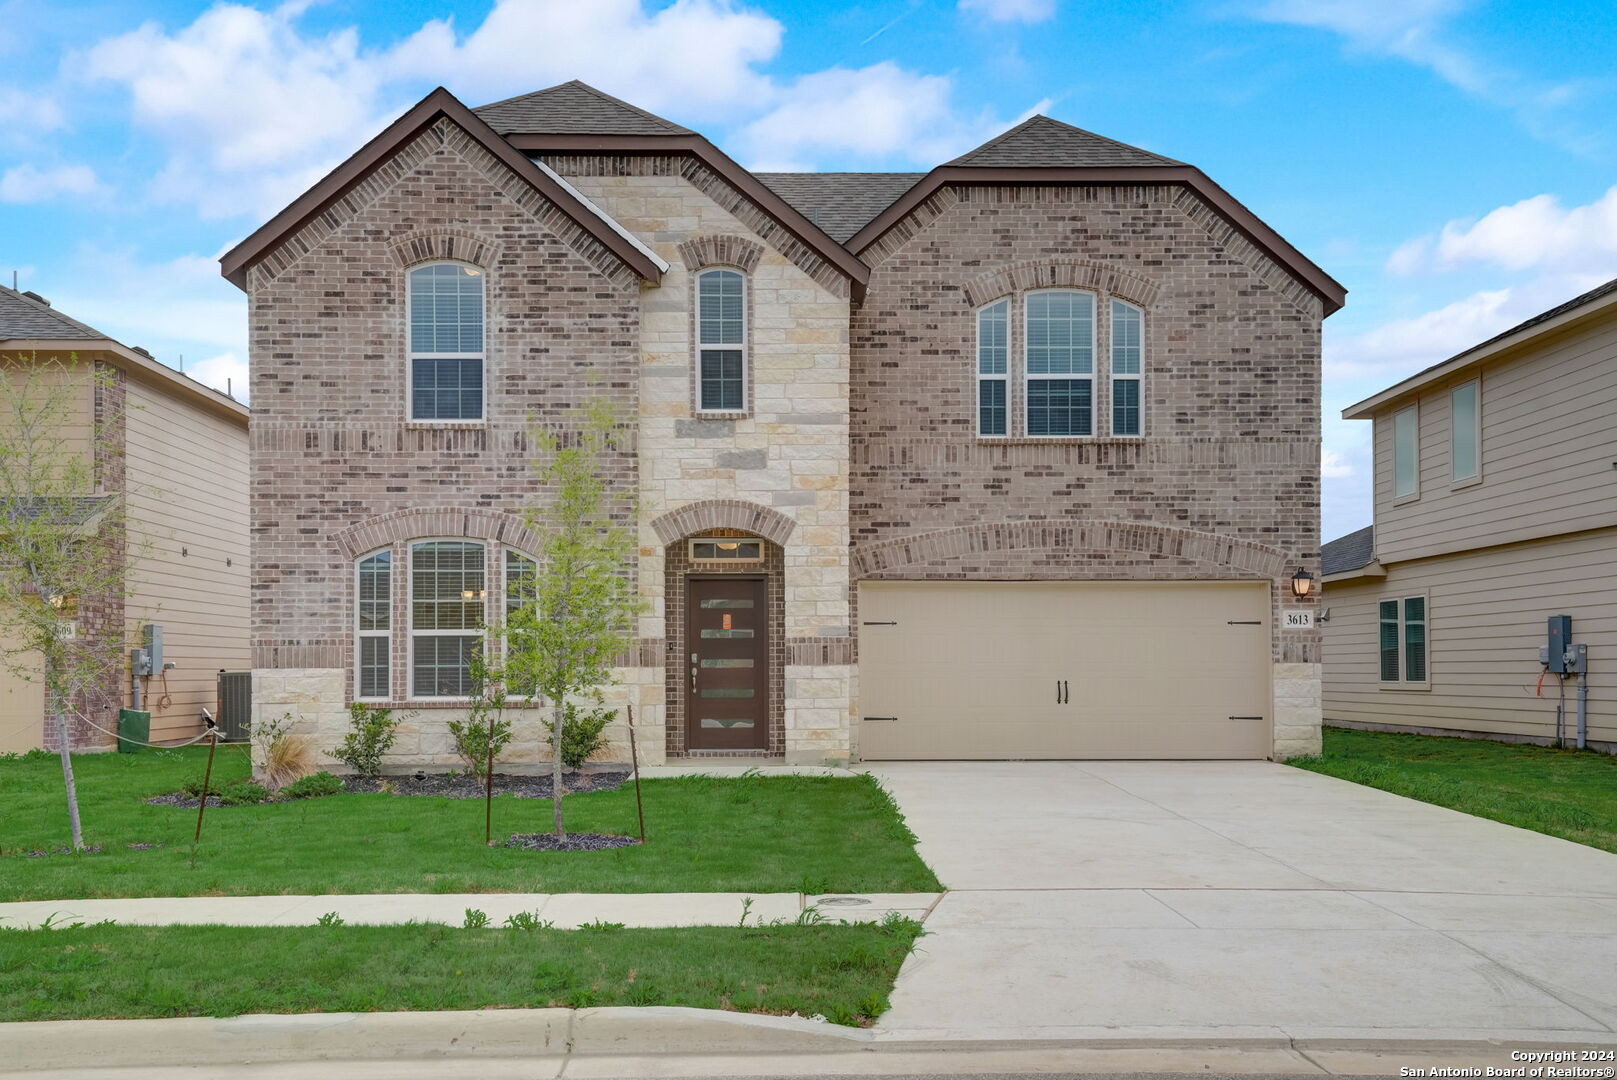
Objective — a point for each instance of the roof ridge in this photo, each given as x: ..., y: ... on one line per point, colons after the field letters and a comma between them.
x: 54, y: 313
x: 1037, y: 118
x: 604, y: 96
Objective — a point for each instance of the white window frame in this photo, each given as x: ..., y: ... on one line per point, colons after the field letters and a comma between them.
x: 1004, y: 377
x: 411, y: 356
x: 1028, y: 378
x: 1413, y: 493
x: 742, y: 348
x: 1113, y: 378
x: 409, y: 598
x: 361, y: 634
x: 1401, y: 602
x: 1475, y: 476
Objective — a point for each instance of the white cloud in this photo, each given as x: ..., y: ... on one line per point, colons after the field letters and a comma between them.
x: 28, y: 184
x: 24, y: 112
x: 1029, y: 11
x: 1536, y: 232
x: 1334, y: 465
x: 226, y: 372
x: 700, y: 56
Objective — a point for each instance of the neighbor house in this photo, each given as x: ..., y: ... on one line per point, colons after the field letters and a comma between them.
x: 1495, y: 508
x: 177, y: 451
x: 1015, y: 458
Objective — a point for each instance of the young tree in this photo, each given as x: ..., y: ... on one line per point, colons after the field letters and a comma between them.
x: 578, y: 615
x: 62, y: 540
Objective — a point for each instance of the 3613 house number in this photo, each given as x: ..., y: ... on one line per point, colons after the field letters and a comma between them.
x: 1297, y: 620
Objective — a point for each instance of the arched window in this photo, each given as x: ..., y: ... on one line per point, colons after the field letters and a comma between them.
x: 1059, y: 346
x: 1128, y: 369
x: 721, y: 324
x: 446, y: 342
x: 993, y: 369
x: 373, y: 674
x: 448, y: 601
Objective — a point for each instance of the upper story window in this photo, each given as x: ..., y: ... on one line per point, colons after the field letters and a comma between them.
x: 721, y: 324
x: 1128, y: 367
x: 446, y: 342
x: 993, y: 368
x: 1406, y: 453
x: 1059, y: 346
x: 1465, y: 433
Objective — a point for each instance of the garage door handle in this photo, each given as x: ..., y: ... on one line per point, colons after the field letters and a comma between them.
x: 881, y: 624
x: 1063, y: 694
x: 1246, y: 718
x: 869, y: 719
x: 1244, y: 622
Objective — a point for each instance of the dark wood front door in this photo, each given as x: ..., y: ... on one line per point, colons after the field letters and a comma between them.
x: 727, y: 677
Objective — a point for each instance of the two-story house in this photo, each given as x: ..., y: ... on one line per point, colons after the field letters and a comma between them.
x: 1495, y: 509
x: 175, y: 453
x: 1015, y: 458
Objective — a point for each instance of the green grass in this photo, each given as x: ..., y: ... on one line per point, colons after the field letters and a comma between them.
x: 1567, y: 793
x: 705, y: 834
x: 841, y: 972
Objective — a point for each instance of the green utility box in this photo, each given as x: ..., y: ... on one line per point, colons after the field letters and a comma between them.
x: 134, y: 728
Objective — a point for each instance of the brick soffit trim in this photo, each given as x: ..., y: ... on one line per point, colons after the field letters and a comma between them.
x: 1060, y: 273
x: 1123, y: 537
x: 723, y: 514
x: 415, y: 523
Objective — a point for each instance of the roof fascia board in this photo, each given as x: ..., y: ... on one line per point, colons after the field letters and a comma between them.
x: 1249, y: 224
x: 1369, y: 570
x: 440, y: 102
x: 148, y: 370
x: 1477, y: 356
x: 792, y: 219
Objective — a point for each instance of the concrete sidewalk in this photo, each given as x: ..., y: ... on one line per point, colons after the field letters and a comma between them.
x: 566, y: 910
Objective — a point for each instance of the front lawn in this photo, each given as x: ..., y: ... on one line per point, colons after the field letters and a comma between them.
x: 1567, y: 793
x: 705, y: 834
x: 843, y: 973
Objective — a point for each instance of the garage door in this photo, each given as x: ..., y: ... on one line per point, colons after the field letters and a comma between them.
x: 964, y: 670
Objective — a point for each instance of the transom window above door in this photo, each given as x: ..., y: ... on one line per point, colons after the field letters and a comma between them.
x: 726, y: 547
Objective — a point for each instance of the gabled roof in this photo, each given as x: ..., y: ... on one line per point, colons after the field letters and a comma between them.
x: 440, y: 103
x: 840, y: 203
x: 1354, y: 551
x: 1043, y: 143
x: 1579, y: 307
x: 27, y: 316
x: 576, y: 108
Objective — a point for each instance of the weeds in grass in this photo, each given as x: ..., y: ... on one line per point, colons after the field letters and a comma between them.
x: 475, y: 919
x: 528, y: 920
x: 330, y: 918
x: 601, y: 926
x: 746, y: 910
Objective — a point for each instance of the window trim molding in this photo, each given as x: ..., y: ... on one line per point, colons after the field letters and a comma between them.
x: 1094, y: 366
x: 1401, y: 600
x: 977, y: 366
x: 361, y: 634
x: 1456, y: 482
x: 745, y: 348
x: 1414, y: 494
x: 411, y: 356
x: 1113, y: 378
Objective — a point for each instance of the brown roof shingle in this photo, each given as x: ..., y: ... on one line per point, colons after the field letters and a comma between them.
x: 840, y: 203
x: 574, y: 108
x: 1041, y: 142
x: 25, y: 317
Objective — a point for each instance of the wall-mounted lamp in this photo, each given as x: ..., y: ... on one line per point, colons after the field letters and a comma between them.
x: 1302, y: 583
x: 474, y: 594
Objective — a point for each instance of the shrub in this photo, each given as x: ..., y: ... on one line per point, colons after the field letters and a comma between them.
x: 581, y: 734
x: 284, y: 757
x: 374, y: 732
x: 193, y: 786
x: 313, y: 786
x: 472, y: 741
x: 243, y: 793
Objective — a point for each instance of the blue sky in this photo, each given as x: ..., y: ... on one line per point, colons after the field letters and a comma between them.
x: 1453, y: 163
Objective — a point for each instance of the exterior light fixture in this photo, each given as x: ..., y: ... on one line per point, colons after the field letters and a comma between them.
x: 1302, y: 583
x: 473, y: 594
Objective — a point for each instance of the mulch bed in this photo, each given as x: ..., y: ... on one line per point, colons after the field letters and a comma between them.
x: 574, y: 842
x: 440, y: 785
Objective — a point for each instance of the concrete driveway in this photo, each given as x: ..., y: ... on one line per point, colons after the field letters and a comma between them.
x: 1243, y: 900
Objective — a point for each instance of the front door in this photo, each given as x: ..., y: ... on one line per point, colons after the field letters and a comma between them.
x: 727, y: 683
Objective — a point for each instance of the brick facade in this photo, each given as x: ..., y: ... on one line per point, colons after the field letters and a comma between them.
x: 856, y: 456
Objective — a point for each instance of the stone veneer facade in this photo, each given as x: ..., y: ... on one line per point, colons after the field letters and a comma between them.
x: 855, y: 457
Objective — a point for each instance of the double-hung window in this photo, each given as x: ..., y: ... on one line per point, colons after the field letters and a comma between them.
x: 448, y: 592
x: 993, y: 369
x: 1465, y: 434
x: 1060, y: 352
x: 1402, y: 640
x: 721, y: 383
x: 374, y: 611
x: 446, y: 342
x: 1406, y: 453
x: 1128, y: 368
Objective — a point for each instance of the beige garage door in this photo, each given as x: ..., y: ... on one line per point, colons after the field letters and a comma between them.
x: 982, y: 670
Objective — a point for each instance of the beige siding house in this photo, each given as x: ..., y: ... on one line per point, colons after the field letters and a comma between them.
x: 1495, y: 508
x: 180, y: 459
